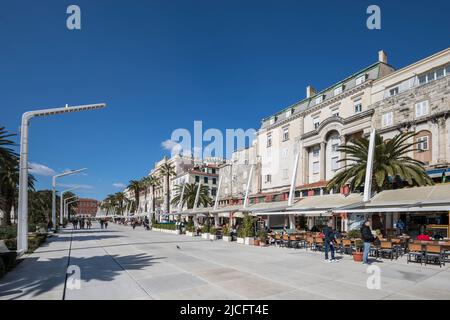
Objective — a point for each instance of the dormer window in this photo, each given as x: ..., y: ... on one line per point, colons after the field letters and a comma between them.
x: 319, y: 99
x: 272, y: 120
x: 289, y: 112
x: 338, y: 90
x: 361, y: 79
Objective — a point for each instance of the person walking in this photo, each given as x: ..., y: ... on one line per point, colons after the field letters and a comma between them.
x: 329, y: 239
x: 101, y: 223
x: 106, y: 224
x: 368, y: 238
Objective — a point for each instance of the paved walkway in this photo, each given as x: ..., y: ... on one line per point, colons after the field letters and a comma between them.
x: 121, y: 263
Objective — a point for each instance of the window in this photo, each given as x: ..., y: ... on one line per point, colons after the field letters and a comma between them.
x: 316, y: 122
x: 286, y: 134
x: 387, y: 119
x: 205, y: 180
x: 289, y: 113
x: 316, y: 152
x: 213, y: 171
x: 272, y: 120
x: 334, y: 163
x: 393, y: 91
x: 358, y: 106
x: 422, y: 108
x: 422, y: 143
x: 269, y: 140
x: 319, y: 99
x: 434, y: 74
x: 213, y: 191
x: 360, y: 79
x: 334, y: 147
x: 335, y: 112
x: 337, y: 90
x: 246, y: 162
x: 197, y: 179
x: 268, y: 178
x: 316, y: 167
x: 214, y: 181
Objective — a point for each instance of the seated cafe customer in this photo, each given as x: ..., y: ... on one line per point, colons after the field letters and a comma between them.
x: 423, y: 237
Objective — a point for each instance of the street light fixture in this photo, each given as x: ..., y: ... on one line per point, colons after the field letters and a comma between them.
x: 61, y: 207
x: 64, y: 174
x: 66, y: 206
x: 22, y: 223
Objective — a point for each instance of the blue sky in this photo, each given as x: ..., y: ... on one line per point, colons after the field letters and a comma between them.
x: 160, y: 65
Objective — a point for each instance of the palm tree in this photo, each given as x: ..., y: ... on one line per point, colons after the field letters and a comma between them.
x: 6, y: 153
x: 135, y: 186
x: 190, y: 192
x: 154, y: 183
x: 166, y: 171
x: 391, y: 164
x: 109, y: 203
x: 120, y: 199
x: 146, y: 184
x: 9, y: 183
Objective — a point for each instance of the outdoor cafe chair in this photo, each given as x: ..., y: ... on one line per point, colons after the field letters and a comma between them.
x: 277, y: 239
x: 434, y: 254
x: 293, y: 242
x: 338, y: 246
x: 416, y: 252
x: 399, y: 246
x: 319, y: 244
x: 387, y: 250
x: 347, y: 246
x: 310, y: 244
x: 285, y: 241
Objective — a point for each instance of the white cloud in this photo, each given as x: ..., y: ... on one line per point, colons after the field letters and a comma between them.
x: 119, y: 185
x: 40, y: 170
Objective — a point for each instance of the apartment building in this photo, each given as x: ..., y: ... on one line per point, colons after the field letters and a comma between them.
x: 416, y: 98
x: 313, y: 128
x: 86, y: 207
x: 235, y: 174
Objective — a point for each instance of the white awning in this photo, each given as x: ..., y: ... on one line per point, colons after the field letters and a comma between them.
x: 417, y: 199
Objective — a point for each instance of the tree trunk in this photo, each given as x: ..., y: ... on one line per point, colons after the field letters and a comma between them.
x: 168, y: 194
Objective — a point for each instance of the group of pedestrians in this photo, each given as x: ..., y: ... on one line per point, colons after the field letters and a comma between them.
x: 103, y: 224
x: 81, y: 223
x: 331, y: 235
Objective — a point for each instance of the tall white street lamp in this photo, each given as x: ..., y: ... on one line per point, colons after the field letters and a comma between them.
x: 66, y: 206
x: 64, y: 174
x: 22, y: 223
x: 61, y: 202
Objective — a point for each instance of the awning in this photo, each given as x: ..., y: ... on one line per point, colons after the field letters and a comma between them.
x: 417, y: 199
x: 265, y: 207
x: 224, y: 214
x: 228, y: 209
x: 323, y: 205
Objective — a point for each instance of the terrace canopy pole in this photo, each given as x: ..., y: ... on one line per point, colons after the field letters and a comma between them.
x: 247, y: 190
x: 197, y: 197
x: 180, y: 205
x: 292, y: 191
x: 22, y: 222
x: 216, y: 202
x: 61, y: 202
x: 369, y: 168
x: 68, y: 173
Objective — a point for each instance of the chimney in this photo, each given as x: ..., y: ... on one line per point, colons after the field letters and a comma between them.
x: 382, y: 56
x: 310, y: 91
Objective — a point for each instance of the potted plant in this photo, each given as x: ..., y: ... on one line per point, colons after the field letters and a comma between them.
x: 213, y: 233
x: 205, y: 231
x: 262, y: 238
x: 240, y: 235
x: 226, y: 233
x: 358, y: 253
x: 249, y: 231
x: 190, y: 229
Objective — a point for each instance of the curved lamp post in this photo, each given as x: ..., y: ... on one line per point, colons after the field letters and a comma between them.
x: 22, y: 223
x: 61, y: 202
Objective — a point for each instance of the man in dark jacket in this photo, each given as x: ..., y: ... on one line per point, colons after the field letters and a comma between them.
x: 329, y: 240
x: 368, y: 238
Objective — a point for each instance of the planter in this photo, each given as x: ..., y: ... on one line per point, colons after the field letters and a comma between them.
x: 249, y: 241
x: 205, y: 236
x: 262, y: 243
x: 358, y: 256
x: 226, y: 238
x: 256, y: 242
x: 212, y: 237
x: 241, y: 240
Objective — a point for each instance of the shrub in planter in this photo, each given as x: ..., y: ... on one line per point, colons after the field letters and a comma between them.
x: 353, y: 234
x: 206, y: 228
x: 262, y: 237
x: 190, y: 226
x: 226, y: 233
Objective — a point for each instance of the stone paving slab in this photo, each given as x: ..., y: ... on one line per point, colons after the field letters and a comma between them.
x: 122, y: 263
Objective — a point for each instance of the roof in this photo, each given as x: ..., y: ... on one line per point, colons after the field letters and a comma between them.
x: 325, y: 202
x: 372, y: 72
x: 429, y: 198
